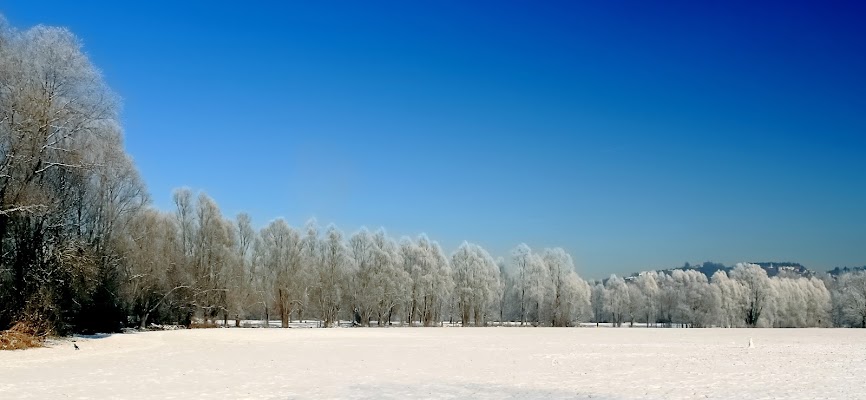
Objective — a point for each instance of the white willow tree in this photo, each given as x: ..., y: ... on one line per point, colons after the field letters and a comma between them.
x: 616, y: 299
x: 668, y: 300
x: 647, y: 283
x: 241, y: 295
x: 393, y: 282
x: 789, y: 310
x: 330, y: 285
x: 212, y: 258
x: 435, y: 283
x: 280, y: 255
x: 413, y: 264
x: 800, y: 302
x: 569, y: 299
x: 598, y: 301
x: 698, y: 301
x: 364, y: 285
x: 422, y: 260
x: 818, y: 302
x: 534, y: 285
x: 756, y: 291
x: 66, y: 185
x: 311, y: 256
x: 476, y: 280
x: 851, y: 294
x: 636, y: 302
x: 507, y: 294
x: 731, y: 300
x: 207, y: 242
x: 520, y: 263
x: 152, y: 249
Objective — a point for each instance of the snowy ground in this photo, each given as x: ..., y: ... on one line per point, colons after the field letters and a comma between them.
x: 477, y: 363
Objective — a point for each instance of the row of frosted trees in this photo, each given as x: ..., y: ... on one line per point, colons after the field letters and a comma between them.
x: 745, y: 297
x: 194, y: 263
x: 295, y: 273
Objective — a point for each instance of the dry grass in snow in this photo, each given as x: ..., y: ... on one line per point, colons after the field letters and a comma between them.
x: 22, y: 336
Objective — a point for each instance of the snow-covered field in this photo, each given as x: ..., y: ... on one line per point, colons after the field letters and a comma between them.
x: 477, y: 363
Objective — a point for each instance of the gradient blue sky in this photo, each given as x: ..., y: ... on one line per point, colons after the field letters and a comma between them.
x: 634, y: 135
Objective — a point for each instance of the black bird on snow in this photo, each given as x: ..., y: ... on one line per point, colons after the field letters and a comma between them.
x: 76, y: 346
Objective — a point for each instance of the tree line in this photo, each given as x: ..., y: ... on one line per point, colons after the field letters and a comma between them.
x: 82, y: 249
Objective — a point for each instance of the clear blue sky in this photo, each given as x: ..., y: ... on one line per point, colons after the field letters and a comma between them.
x: 634, y: 135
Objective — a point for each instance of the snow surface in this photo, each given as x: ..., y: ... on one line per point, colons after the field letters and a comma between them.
x: 478, y: 363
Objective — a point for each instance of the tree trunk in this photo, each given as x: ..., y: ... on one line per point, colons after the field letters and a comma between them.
x: 144, y: 320
x: 284, y: 315
x: 522, y: 307
x: 412, y: 310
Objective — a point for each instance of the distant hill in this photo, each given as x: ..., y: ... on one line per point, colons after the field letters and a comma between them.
x: 708, y: 268
x: 776, y: 268
x: 773, y: 268
x: 844, y: 270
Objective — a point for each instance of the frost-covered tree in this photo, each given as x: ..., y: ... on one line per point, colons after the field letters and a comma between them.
x: 428, y: 269
x: 152, y: 250
x: 242, y: 278
x: 280, y: 256
x: 668, y: 300
x: 789, y: 309
x: 598, y: 300
x: 636, y: 303
x: 534, y: 285
x: 311, y: 257
x: 818, y: 302
x: 67, y: 188
x: 756, y: 291
x: 852, y: 297
x: 616, y: 299
x: 476, y: 280
x: 507, y: 298
x: 698, y: 301
x: 649, y: 293
x: 395, y: 281
x: 207, y: 242
x: 520, y: 264
x: 569, y: 295
x: 800, y: 302
x: 363, y: 283
x: 414, y: 261
x: 539, y: 288
x: 330, y: 280
x: 212, y: 258
x: 731, y: 300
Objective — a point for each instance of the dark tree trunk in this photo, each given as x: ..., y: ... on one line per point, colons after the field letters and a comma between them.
x: 284, y: 312
x: 144, y: 317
